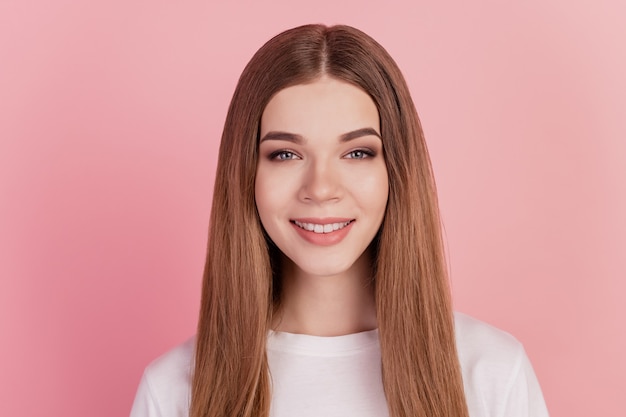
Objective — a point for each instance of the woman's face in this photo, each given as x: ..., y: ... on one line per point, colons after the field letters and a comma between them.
x: 321, y: 185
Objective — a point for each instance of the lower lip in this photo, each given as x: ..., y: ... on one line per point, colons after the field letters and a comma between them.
x: 323, y: 239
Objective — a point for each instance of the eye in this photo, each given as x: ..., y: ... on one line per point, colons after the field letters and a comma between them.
x: 283, y: 155
x: 359, y: 154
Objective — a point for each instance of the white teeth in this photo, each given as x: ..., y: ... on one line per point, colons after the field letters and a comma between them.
x: 321, y: 228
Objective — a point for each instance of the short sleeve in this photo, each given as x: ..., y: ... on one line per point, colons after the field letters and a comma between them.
x: 165, y: 388
x: 525, y: 398
x: 144, y: 404
x: 498, y: 378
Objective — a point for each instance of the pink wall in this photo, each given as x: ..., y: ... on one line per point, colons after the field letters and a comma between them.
x: 110, y: 116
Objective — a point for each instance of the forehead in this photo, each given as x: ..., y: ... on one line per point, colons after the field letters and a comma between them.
x: 321, y: 106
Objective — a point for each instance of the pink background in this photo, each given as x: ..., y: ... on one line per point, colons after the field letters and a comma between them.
x: 110, y: 116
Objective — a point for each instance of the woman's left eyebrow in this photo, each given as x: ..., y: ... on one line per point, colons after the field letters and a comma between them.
x: 366, y: 131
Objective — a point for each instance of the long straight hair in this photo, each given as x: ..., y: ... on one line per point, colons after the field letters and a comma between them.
x: 241, y: 286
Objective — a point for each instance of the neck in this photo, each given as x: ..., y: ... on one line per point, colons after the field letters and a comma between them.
x: 327, y: 305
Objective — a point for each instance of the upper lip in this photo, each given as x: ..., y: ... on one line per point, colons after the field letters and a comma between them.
x: 321, y: 220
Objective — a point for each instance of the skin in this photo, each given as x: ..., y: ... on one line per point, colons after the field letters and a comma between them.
x: 321, y: 162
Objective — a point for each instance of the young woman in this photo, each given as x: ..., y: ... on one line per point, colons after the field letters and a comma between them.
x: 325, y: 290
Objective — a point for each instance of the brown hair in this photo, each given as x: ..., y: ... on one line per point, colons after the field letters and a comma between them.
x: 420, y: 367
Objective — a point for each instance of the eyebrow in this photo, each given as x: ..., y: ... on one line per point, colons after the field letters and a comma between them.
x: 298, y: 139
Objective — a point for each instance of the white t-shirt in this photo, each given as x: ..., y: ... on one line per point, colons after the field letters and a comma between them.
x: 341, y: 376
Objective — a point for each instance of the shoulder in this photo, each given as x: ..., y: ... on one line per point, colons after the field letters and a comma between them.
x: 165, y: 388
x: 176, y: 364
x: 498, y: 378
x: 485, y: 351
x: 478, y: 341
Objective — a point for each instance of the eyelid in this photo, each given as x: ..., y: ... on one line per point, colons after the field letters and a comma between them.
x: 369, y: 153
x: 273, y: 156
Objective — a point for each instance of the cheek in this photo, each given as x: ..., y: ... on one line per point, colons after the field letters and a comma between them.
x: 379, y: 196
x: 261, y: 197
x: 372, y: 186
x: 269, y: 193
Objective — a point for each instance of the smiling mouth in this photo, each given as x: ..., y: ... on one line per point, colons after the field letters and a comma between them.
x: 322, y: 228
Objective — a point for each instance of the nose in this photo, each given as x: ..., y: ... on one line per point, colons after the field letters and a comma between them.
x: 321, y: 183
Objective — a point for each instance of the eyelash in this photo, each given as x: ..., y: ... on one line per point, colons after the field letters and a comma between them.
x: 367, y: 153
x: 275, y: 156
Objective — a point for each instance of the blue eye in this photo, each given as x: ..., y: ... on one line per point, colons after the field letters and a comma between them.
x: 283, y: 155
x: 359, y: 154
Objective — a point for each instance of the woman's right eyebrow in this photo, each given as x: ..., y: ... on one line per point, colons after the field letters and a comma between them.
x: 289, y: 137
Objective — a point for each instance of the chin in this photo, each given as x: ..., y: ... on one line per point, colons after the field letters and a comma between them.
x: 324, y: 268
x: 325, y: 272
